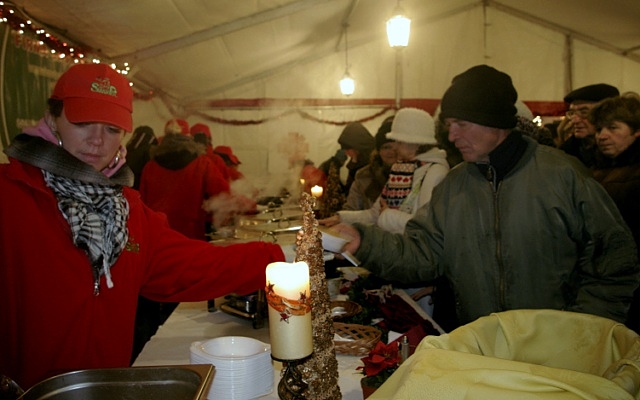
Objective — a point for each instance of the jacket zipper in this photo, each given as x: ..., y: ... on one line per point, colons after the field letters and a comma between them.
x: 96, y: 280
x: 495, y: 186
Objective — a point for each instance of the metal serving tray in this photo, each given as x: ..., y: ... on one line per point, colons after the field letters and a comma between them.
x: 176, y: 382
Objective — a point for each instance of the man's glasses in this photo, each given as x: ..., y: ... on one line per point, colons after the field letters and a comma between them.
x: 582, y: 112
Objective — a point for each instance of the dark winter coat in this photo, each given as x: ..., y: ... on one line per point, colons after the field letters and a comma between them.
x: 546, y: 236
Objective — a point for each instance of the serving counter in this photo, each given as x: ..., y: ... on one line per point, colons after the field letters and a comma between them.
x: 191, y: 322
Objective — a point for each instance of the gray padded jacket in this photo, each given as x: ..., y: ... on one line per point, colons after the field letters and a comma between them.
x: 546, y: 236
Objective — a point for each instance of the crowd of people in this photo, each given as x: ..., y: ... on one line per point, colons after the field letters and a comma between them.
x: 476, y: 198
x: 178, y: 175
x: 525, y: 220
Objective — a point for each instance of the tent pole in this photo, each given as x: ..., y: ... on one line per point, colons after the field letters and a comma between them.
x: 398, y: 77
x: 568, y: 63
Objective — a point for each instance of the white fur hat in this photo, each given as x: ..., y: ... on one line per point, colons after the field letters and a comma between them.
x: 412, y: 125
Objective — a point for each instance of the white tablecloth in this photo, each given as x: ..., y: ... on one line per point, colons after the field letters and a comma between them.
x: 191, y: 322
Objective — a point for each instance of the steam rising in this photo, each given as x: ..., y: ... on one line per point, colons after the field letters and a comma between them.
x: 244, y: 195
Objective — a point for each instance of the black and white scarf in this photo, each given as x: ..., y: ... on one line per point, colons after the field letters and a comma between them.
x: 93, y: 204
x: 97, y: 216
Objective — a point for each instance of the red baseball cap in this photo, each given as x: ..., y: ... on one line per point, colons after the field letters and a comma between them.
x: 176, y: 126
x: 95, y: 93
x: 226, y: 150
x: 200, y: 128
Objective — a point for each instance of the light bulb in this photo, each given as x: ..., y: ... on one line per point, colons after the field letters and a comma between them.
x: 347, y: 85
x: 398, y: 29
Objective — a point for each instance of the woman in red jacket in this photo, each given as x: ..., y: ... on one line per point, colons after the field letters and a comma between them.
x: 177, y: 181
x: 78, y: 246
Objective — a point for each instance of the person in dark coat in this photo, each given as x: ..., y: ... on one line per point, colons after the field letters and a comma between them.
x: 617, y: 168
x: 138, y: 151
x: 581, y: 140
x: 370, y: 179
x: 356, y: 143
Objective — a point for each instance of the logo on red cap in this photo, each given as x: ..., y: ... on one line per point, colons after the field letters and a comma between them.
x: 103, y: 85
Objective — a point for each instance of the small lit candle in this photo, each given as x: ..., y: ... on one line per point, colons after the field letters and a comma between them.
x: 316, y: 191
x: 289, y: 304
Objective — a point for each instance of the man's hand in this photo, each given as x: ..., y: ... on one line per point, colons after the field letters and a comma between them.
x: 330, y: 221
x: 348, y: 230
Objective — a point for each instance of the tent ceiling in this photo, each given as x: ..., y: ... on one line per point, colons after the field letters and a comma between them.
x: 193, y: 50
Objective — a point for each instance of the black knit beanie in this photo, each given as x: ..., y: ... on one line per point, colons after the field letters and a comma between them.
x: 381, y: 135
x: 356, y: 136
x: 482, y: 95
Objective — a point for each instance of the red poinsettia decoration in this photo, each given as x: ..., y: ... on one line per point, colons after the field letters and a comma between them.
x: 381, y: 359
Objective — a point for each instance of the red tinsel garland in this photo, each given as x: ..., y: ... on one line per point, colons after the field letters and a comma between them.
x: 303, y: 114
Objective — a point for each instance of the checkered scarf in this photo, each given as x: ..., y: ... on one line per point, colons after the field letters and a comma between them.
x: 97, y: 215
x: 92, y: 203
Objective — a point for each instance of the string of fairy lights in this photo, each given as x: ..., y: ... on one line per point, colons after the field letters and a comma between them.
x: 45, y: 40
x: 50, y: 42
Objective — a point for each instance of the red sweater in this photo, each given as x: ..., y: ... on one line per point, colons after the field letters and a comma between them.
x: 50, y: 320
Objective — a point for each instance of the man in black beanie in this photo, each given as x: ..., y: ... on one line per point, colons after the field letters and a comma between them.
x: 518, y: 225
x: 581, y: 141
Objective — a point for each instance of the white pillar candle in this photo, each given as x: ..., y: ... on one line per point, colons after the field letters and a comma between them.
x: 316, y: 191
x: 289, y: 304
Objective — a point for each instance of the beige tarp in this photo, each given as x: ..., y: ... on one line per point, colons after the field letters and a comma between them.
x: 523, y: 354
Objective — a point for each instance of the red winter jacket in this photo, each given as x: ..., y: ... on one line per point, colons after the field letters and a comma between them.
x: 219, y: 162
x: 180, y: 193
x: 50, y: 320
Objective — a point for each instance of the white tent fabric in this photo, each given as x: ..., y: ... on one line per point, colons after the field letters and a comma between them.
x: 243, y: 67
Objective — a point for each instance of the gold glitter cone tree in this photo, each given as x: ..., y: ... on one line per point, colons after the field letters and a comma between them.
x: 320, y: 371
x: 334, y: 199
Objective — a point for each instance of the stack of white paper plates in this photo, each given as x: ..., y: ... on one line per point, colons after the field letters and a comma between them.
x: 244, y: 369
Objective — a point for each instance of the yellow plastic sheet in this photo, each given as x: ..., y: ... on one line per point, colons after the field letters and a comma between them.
x: 523, y: 354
